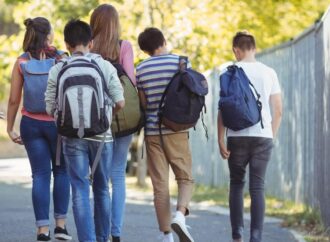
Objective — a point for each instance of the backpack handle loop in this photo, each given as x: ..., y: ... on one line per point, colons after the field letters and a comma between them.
x: 183, y: 63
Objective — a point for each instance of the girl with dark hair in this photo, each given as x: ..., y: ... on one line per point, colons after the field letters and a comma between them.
x: 38, y: 130
x: 106, y: 35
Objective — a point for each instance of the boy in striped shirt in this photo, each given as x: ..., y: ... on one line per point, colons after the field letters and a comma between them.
x: 153, y: 75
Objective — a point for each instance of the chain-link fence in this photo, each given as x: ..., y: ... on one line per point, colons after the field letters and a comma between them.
x: 300, y: 165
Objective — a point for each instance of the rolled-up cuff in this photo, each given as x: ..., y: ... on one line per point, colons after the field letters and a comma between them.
x: 42, y: 223
x: 59, y: 216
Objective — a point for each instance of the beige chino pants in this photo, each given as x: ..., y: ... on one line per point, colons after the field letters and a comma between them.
x: 178, y: 157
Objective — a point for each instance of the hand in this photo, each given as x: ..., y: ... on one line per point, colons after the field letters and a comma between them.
x: 225, y: 153
x: 15, y: 137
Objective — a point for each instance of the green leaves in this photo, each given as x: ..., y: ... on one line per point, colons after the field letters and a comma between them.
x: 203, y: 30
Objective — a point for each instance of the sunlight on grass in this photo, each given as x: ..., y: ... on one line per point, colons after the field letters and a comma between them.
x: 215, y: 196
x: 296, y: 216
x: 3, y: 133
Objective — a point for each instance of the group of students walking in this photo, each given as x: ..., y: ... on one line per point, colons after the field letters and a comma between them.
x: 92, y: 49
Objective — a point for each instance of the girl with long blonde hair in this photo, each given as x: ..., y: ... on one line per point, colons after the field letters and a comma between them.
x: 106, y: 35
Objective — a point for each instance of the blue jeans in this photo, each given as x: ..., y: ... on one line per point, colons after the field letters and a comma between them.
x: 255, y: 152
x: 118, y: 174
x: 79, y: 156
x: 39, y: 139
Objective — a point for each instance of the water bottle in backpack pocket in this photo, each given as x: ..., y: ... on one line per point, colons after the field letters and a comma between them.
x: 240, y: 107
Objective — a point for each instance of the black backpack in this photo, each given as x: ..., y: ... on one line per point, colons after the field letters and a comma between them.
x: 183, y: 99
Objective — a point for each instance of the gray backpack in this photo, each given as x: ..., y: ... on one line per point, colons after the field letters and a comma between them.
x: 82, y: 101
x: 82, y: 98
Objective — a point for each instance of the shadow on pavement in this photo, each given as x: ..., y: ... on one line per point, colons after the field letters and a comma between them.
x: 17, y: 221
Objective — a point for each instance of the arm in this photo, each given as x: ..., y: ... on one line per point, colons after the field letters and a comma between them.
x: 119, y: 105
x: 14, y: 102
x: 50, y: 93
x: 142, y: 95
x: 276, y: 106
x: 143, y: 100
x: 127, y: 60
x: 221, y: 138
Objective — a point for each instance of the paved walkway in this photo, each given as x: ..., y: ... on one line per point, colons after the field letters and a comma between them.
x: 209, y: 224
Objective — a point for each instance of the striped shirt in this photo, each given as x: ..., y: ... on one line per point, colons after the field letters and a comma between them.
x: 152, y: 76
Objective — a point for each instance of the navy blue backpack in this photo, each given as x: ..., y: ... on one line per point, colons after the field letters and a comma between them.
x: 183, y: 99
x: 239, y: 107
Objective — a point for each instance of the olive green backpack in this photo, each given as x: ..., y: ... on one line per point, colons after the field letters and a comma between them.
x: 129, y: 119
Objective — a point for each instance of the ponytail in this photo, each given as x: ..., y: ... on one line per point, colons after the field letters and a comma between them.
x: 30, y: 34
x: 35, y: 39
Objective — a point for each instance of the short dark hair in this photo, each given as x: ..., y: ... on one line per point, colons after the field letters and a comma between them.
x: 77, y: 32
x: 244, y: 41
x: 150, y: 40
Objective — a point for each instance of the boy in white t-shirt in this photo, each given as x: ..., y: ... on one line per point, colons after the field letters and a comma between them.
x: 251, y: 146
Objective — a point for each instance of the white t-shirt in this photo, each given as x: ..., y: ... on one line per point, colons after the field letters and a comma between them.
x: 266, y: 83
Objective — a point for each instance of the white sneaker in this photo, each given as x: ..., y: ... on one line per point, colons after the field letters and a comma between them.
x: 166, y: 237
x: 180, y: 228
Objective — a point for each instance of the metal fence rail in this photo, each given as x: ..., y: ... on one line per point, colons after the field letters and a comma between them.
x: 300, y: 166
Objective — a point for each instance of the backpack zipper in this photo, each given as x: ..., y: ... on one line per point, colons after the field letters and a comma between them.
x: 64, y: 102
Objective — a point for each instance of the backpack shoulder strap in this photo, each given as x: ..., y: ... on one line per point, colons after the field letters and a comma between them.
x: 182, y: 63
x: 105, y: 89
x: 259, y: 103
x: 26, y: 55
x: 97, y: 158
x: 60, y: 52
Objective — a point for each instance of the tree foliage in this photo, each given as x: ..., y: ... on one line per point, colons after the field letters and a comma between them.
x: 200, y: 29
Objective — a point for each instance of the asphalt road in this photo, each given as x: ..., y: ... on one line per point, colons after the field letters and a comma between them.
x: 17, y: 219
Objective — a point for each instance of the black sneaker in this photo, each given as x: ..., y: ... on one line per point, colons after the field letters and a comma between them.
x: 43, y: 237
x: 61, y: 234
x: 115, y: 239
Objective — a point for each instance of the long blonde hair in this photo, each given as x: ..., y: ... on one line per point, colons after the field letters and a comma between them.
x: 106, y: 31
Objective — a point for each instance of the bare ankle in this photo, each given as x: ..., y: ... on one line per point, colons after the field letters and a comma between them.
x: 43, y: 230
x: 60, y: 223
x: 183, y: 210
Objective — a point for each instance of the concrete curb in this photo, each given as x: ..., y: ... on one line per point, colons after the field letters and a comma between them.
x: 298, y: 236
